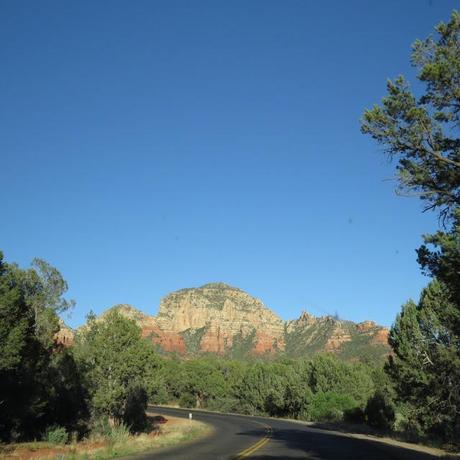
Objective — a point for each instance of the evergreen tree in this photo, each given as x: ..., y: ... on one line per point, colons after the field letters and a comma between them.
x: 37, y: 377
x: 422, y: 133
x: 426, y: 363
x: 119, y: 367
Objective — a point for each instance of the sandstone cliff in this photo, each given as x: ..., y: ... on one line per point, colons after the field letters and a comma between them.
x: 221, y: 319
x: 65, y: 335
x: 223, y: 314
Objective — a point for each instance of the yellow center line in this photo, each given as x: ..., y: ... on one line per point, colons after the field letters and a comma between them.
x: 256, y: 446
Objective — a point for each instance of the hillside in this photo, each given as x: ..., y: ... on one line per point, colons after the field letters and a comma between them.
x: 224, y: 320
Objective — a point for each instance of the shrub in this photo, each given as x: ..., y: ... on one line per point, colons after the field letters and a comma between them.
x: 329, y: 406
x: 354, y: 415
x: 56, y: 435
x: 134, y: 415
x: 119, y: 434
x: 187, y: 400
x: 225, y: 404
x: 380, y: 411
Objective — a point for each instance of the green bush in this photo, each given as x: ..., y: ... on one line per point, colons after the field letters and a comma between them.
x: 225, y: 404
x: 329, y: 406
x: 380, y: 412
x: 119, y: 434
x: 187, y: 400
x: 354, y: 415
x: 56, y: 435
x: 136, y: 404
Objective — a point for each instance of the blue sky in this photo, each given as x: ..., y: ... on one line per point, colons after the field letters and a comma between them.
x: 148, y: 146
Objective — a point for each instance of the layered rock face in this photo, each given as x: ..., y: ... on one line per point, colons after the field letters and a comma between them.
x: 65, y: 336
x: 221, y: 319
x: 223, y: 314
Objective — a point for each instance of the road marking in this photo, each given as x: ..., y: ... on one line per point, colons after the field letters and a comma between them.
x: 251, y: 449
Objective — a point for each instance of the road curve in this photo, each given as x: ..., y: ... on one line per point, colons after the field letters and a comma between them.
x: 238, y: 437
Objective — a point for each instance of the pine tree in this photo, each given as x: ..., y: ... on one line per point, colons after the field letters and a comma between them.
x: 426, y: 362
x: 37, y: 377
x: 119, y: 367
x: 422, y: 133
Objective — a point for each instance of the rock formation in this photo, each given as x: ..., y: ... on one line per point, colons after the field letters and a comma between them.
x: 65, y: 335
x: 224, y: 320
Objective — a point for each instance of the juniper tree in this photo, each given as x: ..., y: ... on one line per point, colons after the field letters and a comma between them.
x: 421, y: 131
x: 119, y: 368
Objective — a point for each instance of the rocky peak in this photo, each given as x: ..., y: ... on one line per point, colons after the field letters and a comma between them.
x: 366, y: 326
x: 215, y: 304
x: 219, y: 318
x: 306, y: 318
x: 65, y: 335
x: 219, y: 286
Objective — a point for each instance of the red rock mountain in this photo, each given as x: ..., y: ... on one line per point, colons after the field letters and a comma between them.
x: 221, y: 319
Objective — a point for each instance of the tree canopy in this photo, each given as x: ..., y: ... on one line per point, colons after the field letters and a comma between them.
x: 119, y: 368
x: 422, y: 133
x: 39, y: 384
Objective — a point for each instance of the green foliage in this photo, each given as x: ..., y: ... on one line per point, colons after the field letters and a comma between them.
x: 422, y: 133
x: 327, y: 374
x: 119, y: 366
x: 426, y: 365
x: 36, y: 378
x: 118, y: 434
x: 439, y: 257
x: 57, y: 435
x: 187, y: 400
x: 192, y: 339
x: 115, y: 433
x: 320, y: 389
x: 242, y: 345
x: 329, y: 406
x: 16, y: 319
x: 380, y: 411
x: 261, y: 390
x: 203, y: 382
x: 172, y: 376
x: 44, y: 288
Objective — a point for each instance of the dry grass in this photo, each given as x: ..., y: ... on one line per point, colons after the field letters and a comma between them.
x: 174, y: 432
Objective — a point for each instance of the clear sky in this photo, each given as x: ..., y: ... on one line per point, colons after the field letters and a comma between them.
x: 148, y: 146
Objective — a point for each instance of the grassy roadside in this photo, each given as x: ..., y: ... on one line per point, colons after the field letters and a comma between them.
x: 100, y: 448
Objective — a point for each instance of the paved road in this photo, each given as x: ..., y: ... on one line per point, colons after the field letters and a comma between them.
x: 258, y: 438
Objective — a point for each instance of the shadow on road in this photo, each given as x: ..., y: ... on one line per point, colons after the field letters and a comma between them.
x: 291, y: 443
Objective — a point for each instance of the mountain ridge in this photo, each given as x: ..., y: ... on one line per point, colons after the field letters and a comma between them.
x: 221, y: 319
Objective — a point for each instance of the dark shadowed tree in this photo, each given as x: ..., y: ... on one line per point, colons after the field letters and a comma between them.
x: 39, y: 385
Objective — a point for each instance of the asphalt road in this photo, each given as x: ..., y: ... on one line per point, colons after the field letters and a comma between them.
x: 258, y: 438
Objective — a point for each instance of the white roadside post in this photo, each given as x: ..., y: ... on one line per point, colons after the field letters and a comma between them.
x: 190, y: 419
